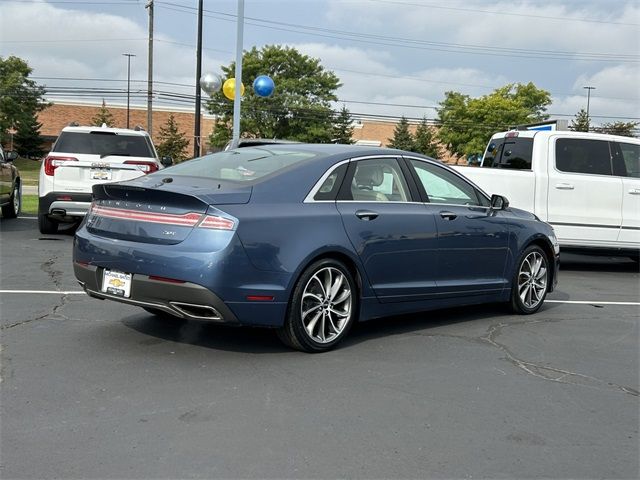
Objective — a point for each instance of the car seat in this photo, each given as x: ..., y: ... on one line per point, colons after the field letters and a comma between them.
x: 365, y: 178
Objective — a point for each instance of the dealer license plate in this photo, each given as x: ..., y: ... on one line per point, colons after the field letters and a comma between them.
x: 116, y: 283
x: 100, y: 174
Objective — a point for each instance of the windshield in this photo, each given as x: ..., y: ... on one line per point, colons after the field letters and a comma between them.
x: 104, y: 143
x: 242, y: 165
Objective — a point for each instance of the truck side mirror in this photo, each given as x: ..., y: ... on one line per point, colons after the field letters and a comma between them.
x: 11, y: 156
x: 498, y: 202
x: 166, y: 161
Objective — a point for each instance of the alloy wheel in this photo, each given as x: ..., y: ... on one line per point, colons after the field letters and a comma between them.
x: 326, y: 305
x: 16, y: 200
x: 532, y: 279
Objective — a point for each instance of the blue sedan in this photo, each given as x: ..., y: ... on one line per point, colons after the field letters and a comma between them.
x: 308, y: 239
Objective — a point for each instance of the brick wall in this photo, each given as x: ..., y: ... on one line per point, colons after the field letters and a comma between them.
x: 59, y: 115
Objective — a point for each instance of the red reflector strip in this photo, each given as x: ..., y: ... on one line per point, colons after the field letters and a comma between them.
x: 260, y: 298
x: 66, y: 198
x: 165, y: 279
x: 186, y: 220
x: 82, y: 264
x: 217, y: 223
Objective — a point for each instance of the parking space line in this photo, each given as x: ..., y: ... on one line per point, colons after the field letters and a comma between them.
x: 52, y: 292
x: 593, y: 302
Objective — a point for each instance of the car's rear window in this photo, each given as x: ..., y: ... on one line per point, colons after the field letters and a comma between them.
x: 510, y: 152
x: 104, y: 143
x: 244, y: 164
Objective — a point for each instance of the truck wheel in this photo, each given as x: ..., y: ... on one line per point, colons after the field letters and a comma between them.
x: 12, y: 210
x: 46, y: 225
x: 530, y: 282
x: 324, y: 306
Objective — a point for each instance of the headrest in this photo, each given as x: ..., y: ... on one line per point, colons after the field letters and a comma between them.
x: 369, y: 175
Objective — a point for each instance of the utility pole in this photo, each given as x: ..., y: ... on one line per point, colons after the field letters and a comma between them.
x: 128, y: 55
x: 588, y: 100
x: 150, y: 72
x: 196, y: 131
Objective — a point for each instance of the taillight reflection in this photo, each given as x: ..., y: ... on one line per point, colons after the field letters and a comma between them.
x: 146, y: 167
x: 216, y: 223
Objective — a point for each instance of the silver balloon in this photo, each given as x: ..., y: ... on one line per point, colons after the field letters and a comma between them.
x: 210, y: 83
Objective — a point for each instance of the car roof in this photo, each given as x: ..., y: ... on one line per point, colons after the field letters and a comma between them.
x: 331, y: 149
x: 564, y: 133
x: 117, y: 131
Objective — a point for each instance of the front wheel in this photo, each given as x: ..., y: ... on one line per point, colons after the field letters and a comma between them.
x: 531, y: 281
x: 12, y: 209
x: 323, y: 307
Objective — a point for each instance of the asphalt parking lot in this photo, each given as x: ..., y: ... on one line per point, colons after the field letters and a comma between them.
x: 95, y: 389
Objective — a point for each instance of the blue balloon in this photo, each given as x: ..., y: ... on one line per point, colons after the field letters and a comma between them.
x: 264, y: 86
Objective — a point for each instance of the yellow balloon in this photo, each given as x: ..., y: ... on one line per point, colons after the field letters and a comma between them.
x: 229, y: 88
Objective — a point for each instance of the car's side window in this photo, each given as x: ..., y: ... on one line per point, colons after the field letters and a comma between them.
x: 329, y: 188
x: 631, y: 158
x: 378, y: 180
x: 442, y: 186
x: 578, y: 155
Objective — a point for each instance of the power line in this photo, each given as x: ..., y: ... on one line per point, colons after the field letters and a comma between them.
x: 410, y: 43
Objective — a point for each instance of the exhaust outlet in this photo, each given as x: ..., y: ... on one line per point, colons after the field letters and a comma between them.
x: 59, y: 211
x: 200, y: 312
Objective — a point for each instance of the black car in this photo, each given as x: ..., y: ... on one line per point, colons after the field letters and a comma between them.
x: 10, y: 185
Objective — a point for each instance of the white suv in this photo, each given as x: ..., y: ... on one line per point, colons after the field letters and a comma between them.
x: 83, y: 157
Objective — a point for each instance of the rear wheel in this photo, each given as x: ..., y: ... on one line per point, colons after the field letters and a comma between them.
x: 531, y: 281
x: 323, y: 307
x: 12, y: 209
x: 46, y: 225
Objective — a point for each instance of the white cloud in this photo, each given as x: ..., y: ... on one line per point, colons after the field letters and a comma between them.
x: 90, y: 45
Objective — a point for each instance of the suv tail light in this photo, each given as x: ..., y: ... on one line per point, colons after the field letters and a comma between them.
x: 146, y: 167
x: 52, y: 162
x: 216, y: 223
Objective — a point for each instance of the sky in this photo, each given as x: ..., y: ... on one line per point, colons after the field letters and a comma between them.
x: 393, y: 57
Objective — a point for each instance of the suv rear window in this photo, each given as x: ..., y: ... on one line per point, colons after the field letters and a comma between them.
x: 242, y: 165
x: 104, y: 143
x: 514, y: 153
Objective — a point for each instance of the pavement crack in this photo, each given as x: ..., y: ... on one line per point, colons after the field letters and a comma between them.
x: 543, y: 372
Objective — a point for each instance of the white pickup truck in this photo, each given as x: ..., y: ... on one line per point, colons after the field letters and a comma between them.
x: 586, y: 185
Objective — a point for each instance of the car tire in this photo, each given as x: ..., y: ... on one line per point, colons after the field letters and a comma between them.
x: 12, y: 209
x: 530, y: 281
x: 324, y: 306
x: 46, y: 225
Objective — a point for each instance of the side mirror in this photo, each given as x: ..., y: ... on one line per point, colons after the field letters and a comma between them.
x: 11, y: 156
x: 166, y: 161
x: 498, y: 202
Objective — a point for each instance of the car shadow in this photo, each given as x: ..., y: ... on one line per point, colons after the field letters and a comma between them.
x: 25, y: 223
x: 588, y: 263
x: 264, y: 340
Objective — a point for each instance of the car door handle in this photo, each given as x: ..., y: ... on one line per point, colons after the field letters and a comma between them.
x: 635, y: 191
x: 366, y: 215
x: 448, y: 215
x: 564, y: 186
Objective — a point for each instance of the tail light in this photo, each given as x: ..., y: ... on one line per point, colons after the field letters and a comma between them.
x: 216, y: 223
x: 52, y: 162
x: 146, y: 167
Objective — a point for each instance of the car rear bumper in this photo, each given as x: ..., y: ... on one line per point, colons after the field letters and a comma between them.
x: 184, y: 300
x: 64, y: 204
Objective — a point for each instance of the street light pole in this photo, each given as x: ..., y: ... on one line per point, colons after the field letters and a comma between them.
x: 150, y: 73
x: 588, y: 101
x: 196, y: 130
x: 236, y: 98
x: 128, y: 55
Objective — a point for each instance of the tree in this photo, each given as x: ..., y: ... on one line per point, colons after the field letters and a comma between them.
x: 172, y: 142
x: 468, y: 123
x: 402, y: 137
x: 299, y: 109
x: 424, y: 141
x: 342, y: 130
x: 20, y: 97
x: 581, y: 122
x: 27, y: 140
x: 103, y: 116
x: 625, y: 129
